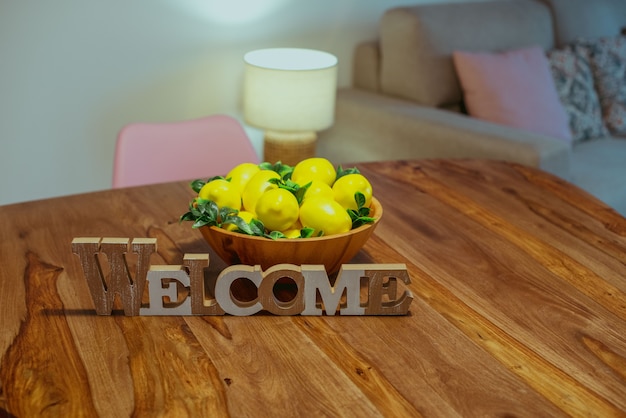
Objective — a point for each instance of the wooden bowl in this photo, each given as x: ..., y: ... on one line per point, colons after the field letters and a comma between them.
x: 332, y: 251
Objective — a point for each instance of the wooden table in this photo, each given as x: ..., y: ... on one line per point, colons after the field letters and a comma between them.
x: 520, y: 310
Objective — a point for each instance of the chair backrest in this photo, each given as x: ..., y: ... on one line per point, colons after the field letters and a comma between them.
x: 148, y: 153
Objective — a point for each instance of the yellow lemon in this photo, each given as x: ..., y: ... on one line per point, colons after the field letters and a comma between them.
x: 319, y: 188
x: 256, y: 186
x: 293, y: 231
x: 222, y: 192
x: 241, y: 174
x: 326, y: 215
x: 345, y: 187
x: 278, y: 209
x: 315, y: 168
x: 245, y: 215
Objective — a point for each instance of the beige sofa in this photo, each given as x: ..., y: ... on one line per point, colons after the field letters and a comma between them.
x: 406, y: 100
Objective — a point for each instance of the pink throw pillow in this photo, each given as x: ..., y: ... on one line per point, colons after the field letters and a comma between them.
x: 513, y: 88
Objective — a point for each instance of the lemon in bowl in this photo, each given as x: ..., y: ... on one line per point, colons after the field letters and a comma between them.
x: 308, y: 214
x: 329, y: 250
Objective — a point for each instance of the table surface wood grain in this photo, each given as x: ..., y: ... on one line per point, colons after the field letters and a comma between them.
x: 519, y: 281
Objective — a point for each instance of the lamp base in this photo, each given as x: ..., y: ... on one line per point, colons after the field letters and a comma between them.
x: 289, y: 147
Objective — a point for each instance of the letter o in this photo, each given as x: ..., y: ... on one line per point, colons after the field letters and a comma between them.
x: 266, y: 290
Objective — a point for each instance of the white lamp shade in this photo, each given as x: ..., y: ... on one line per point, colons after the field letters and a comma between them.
x: 290, y: 89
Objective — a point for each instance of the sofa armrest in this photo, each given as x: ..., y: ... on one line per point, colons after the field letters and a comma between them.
x: 371, y: 127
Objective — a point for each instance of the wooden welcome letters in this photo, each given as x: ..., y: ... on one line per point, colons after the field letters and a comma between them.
x: 182, y: 290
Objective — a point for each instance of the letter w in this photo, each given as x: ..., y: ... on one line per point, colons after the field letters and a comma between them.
x: 104, y: 287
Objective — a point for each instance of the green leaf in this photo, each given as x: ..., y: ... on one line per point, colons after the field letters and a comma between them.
x: 290, y: 185
x: 300, y: 191
x: 359, y: 198
x: 225, y: 212
x: 362, y: 220
x: 306, y: 232
x: 257, y: 227
x: 283, y: 170
x: 240, y: 223
x: 188, y: 216
x: 345, y: 171
x: 197, y: 184
x: 361, y: 215
x: 193, y: 214
x: 276, y: 235
x: 201, y: 222
x: 364, y: 211
x: 204, y: 213
x: 210, y: 209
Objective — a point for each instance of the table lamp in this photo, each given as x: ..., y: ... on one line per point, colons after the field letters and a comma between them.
x: 290, y: 93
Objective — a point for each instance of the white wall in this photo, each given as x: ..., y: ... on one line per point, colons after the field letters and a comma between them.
x: 73, y: 72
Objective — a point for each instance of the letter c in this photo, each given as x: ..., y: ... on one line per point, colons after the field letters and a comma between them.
x: 224, y: 296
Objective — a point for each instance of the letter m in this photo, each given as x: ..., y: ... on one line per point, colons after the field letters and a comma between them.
x: 348, y: 281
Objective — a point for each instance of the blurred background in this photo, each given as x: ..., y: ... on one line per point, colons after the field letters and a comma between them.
x: 73, y: 72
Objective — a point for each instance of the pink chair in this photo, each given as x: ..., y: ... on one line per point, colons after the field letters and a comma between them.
x: 149, y: 153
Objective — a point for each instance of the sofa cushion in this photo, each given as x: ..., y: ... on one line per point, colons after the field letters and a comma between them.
x: 589, y: 19
x: 417, y: 43
x: 573, y: 78
x: 513, y: 88
x: 608, y: 62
